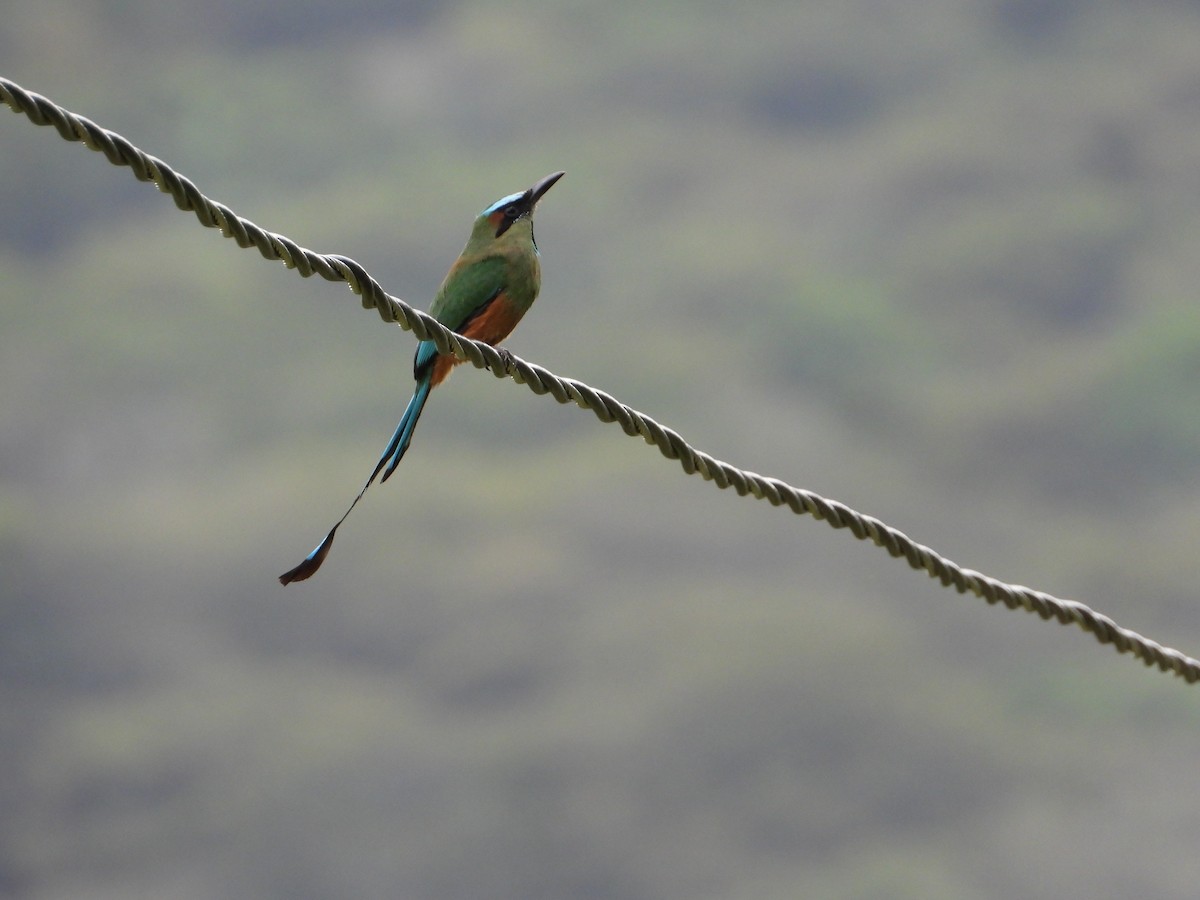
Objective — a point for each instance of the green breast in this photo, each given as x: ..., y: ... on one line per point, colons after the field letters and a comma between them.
x: 474, y: 280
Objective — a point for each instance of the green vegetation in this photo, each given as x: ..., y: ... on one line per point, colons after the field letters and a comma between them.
x: 935, y: 260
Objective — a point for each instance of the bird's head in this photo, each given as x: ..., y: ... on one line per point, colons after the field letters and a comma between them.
x: 512, y: 215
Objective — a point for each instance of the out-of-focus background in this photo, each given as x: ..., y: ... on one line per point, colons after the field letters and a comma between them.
x: 937, y: 260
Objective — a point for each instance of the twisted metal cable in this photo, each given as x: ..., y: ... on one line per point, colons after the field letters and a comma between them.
x: 501, y: 363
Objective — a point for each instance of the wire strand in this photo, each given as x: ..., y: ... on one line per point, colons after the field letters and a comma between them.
x: 606, y: 408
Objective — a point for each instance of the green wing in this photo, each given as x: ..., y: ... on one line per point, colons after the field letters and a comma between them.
x: 467, y: 287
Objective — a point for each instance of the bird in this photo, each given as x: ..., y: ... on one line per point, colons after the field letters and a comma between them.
x: 487, y: 291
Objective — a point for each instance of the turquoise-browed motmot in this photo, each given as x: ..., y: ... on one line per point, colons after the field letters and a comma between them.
x: 484, y: 295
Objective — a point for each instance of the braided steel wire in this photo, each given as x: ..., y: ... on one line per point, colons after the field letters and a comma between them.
x: 501, y: 363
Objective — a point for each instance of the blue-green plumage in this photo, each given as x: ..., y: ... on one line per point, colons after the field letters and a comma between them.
x: 486, y: 292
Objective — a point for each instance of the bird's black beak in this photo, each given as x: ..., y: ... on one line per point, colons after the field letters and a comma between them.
x: 535, y: 192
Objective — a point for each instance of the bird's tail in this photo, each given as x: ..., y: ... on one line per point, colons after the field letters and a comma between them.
x: 391, y: 457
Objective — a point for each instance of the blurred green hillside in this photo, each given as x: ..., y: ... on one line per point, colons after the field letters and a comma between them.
x: 935, y: 260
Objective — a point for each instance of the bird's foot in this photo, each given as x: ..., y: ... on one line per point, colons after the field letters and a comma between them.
x: 506, y: 360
